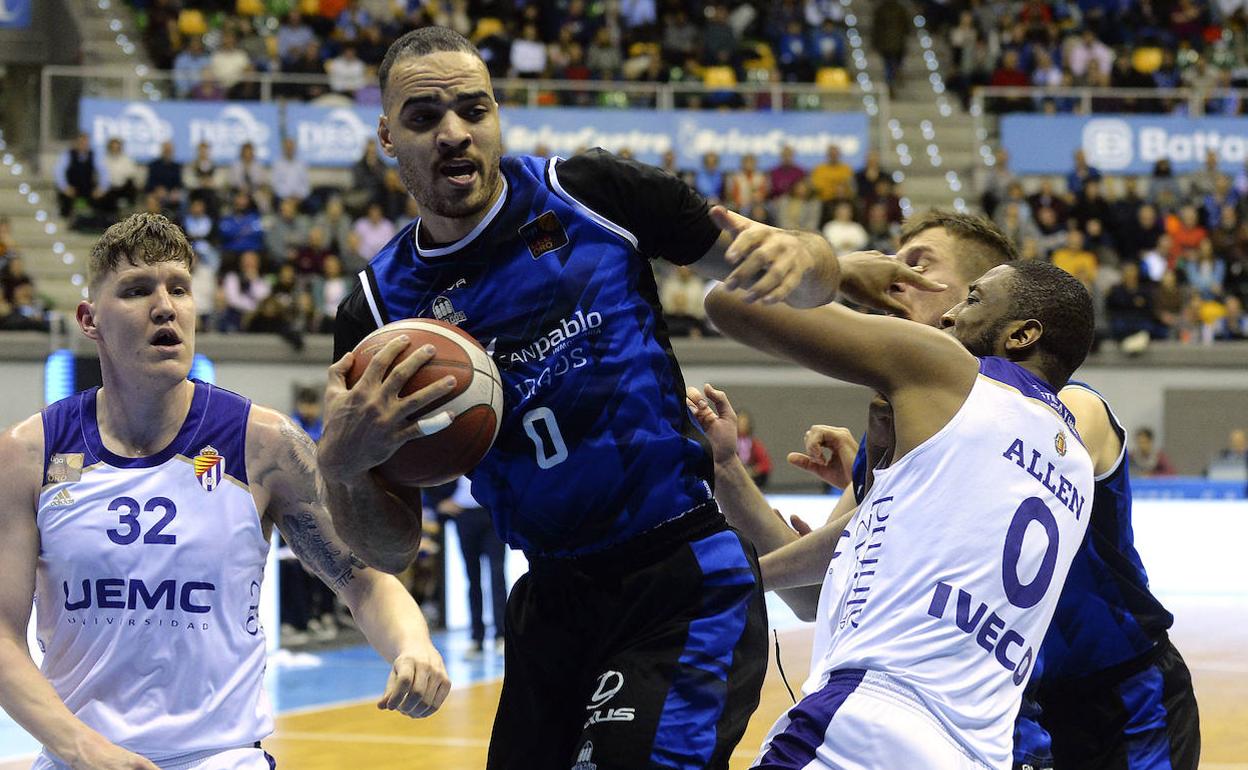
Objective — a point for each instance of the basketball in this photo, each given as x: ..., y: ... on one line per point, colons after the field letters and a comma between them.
x: 476, y: 402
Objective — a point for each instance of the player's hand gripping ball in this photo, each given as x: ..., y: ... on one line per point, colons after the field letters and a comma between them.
x: 476, y: 402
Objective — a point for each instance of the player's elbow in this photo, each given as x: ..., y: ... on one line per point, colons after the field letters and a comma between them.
x: 392, y: 562
x: 723, y: 309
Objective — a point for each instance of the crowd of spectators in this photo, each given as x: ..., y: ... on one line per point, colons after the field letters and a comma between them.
x: 1164, y: 257
x: 21, y: 306
x: 1097, y: 43
x: 273, y: 253
x: 853, y: 209
x: 216, y: 47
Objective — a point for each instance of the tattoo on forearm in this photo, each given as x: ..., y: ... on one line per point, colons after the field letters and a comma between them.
x: 323, y: 556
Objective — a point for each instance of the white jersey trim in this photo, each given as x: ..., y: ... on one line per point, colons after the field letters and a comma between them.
x: 599, y: 219
x: 467, y: 239
x: 367, y: 286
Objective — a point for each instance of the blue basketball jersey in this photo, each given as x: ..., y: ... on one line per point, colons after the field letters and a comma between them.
x: 596, y: 444
x: 1106, y: 614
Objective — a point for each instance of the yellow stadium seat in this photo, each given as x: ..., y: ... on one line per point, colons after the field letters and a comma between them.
x: 249, y: 7
x: 763, y: 57
x: 719, y: 77
x: 832, y: 78
x: 1146, y: 60
x: 487, y: 26
x: 191, y: 22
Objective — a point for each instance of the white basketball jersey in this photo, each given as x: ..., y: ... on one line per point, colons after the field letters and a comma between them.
x: 148, y: 581
x: 948, y: 575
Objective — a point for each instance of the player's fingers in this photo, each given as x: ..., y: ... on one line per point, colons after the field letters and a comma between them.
x: 444, y: 690
x: 414, y: 698
x: 800, y: 525
x: 889, y: 304
x: 695, y: 397
x: 915, y: 278
x: 747, y: 272
x: 791, y: 281
x: 394, y: 683
x: 773, y: 273
x: 803, y: 461
x: 407, y: 368
x: 338, y: 369
x: 415, y: 402
x: 723, y: 407
x: 376, y: 370
x: 730, y: 221
x: 426, y: 426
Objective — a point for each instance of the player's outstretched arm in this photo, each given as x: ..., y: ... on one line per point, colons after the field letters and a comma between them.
x: 1092, y: 422
x: 364, y: 426
x: 738, y: 496
x: 925, y: 373
x: 772, y: 264
x: 281, y: 462
x: 25, y: 694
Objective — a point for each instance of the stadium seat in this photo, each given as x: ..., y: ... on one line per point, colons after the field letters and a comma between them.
x: 719, y: 77
x: 832, y: 78
x: 191, y: 22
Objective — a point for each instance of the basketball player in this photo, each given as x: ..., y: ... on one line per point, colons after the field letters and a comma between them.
x: 1115, y: 691
x: 138, y: 516
x: 950, y: 570
x: 638, y: 636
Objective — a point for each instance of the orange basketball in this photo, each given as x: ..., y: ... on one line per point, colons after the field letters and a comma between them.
x: 476, y: 402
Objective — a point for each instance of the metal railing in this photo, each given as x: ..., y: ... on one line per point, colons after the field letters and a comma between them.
x: 63, y: 86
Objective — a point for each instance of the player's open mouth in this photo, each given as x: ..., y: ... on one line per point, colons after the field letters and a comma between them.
x: 461, y: 173
x: 165, y: 338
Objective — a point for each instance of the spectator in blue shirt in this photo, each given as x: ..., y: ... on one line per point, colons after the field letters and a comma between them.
x: 188, y: 66
x: 709, y: 180
x: 292, y: 37
x: 1082, y: 173
x: 242, y: 230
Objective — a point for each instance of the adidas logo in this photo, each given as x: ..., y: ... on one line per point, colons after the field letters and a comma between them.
x: 62, y: 498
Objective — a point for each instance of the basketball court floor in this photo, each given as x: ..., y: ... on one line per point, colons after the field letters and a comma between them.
x: 328, y: 719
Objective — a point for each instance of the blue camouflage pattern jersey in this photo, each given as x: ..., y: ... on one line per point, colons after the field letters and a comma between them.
x: 1106, y: 615
x: 596, y: 444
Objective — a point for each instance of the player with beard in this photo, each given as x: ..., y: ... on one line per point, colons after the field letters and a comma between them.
x: 1114, y: 690
x: 638, y: 637
x: 905, y: 670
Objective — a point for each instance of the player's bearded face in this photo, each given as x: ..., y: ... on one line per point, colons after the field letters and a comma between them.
x: 442, y: 125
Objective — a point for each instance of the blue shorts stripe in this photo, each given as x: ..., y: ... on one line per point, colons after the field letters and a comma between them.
x: 1147, y: 740
x: 795, y: 747
x: 686, y: 733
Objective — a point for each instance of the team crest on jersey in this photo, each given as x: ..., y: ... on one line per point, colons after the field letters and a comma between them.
x: 443, y: 310
x: 63, y: 467
x: 1060, y: 443
x: 544, y: 234
x: 209, y: 467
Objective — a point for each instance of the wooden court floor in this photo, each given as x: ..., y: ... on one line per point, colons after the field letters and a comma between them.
x: 1212, y: 637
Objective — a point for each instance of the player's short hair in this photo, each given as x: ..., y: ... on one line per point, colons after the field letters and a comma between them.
x: 1063, y: 307
x: 139, y: 239
x: 422, y: 42
x: 982, y: 245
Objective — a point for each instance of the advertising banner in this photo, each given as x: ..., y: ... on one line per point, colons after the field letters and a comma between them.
x: 1122, y: 144
x: 144, y: 126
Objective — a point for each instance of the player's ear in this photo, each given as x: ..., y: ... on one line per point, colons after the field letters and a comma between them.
x: 85, y: 316
x: 1023, y: 336
x: 383, y: 136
